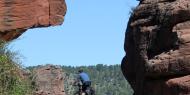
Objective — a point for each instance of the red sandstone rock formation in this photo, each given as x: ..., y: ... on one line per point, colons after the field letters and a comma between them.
x: 16, y: 16
x: 157, y: 46
x: 49, y: 80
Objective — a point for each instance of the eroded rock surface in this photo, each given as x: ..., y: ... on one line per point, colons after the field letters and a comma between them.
x: 16, y: 16
x: 49, y: 80
x: 157, y: 46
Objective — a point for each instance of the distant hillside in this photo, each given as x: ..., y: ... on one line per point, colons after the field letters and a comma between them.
x: 106, y: 80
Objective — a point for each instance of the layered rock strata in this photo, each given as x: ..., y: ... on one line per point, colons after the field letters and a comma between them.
x: 157, y: 46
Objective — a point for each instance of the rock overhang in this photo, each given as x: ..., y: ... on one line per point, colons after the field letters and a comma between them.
x: 16, y: 16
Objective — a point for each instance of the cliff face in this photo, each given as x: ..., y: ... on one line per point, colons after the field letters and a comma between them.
x: 16, y: 16
x: 157, y: 46
x: 49, y: 80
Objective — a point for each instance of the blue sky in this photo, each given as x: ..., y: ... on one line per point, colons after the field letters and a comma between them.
x: 92, y: 33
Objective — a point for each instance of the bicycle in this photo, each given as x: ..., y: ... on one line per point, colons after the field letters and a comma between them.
x: 88, y: 91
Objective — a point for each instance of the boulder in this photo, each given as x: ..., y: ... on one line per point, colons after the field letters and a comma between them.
x: 49, y: 80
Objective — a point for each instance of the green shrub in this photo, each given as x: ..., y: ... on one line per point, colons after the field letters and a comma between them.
x: 12, y: 82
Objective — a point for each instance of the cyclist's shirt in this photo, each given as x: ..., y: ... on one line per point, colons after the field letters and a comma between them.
x: 84, y: 77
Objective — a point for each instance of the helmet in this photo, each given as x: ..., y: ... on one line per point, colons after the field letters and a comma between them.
x: 80, y: 70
